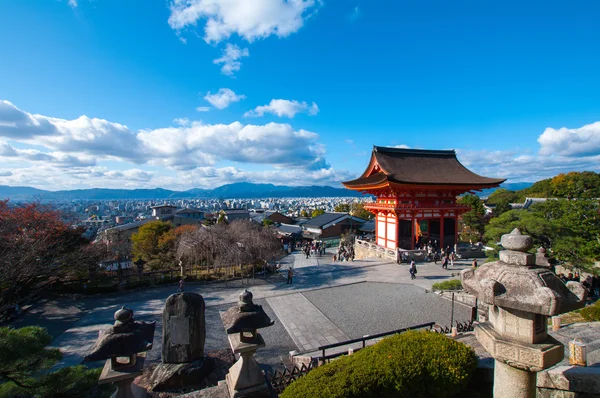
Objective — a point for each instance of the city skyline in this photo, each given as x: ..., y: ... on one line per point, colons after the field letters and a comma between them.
x: 202, y: 93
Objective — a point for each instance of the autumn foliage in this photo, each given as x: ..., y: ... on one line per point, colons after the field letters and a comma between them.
x: 36, y: 247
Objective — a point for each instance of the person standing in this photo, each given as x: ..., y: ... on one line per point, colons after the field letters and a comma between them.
x: 413, y: 270
x: 290, y: 275
x: 180, y: 285
x: 445, y: 262
x: 474, y: 263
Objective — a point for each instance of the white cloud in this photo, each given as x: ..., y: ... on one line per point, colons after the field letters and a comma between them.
x: 249, y: 19
x: 5, y: 173
x: 73, y: 3
x: 182, y: 121
x: 284, y: 108
x: 230, y: 59
x: 401, y: 146
x: 84, y: 141
x: 518, y: 167
x: 205, y: 144
x: 223, y: 98
x: 203, y: 109
x: 582, y: 141
x: 209, y: 177
x: 131, y: 175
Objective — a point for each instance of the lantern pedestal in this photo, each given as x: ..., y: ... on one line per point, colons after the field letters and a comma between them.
x: 245, y: 379
x: 513, y: 382
x: 123, y: 379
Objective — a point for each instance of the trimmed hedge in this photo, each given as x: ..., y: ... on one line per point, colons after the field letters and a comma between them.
x: 411, y: 364
x: 451, y: 284
x: 591, y: 312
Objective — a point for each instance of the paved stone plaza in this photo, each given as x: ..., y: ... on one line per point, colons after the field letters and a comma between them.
x: 328, y: 302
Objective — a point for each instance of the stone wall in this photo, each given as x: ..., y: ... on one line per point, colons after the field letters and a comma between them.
x: 364, y: 249
x: 569, y: 382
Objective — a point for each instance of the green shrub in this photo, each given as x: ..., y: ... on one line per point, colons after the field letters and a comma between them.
x: 451, y: 284
x: 591, y: 313
x: 412, y: 364
x: 25, y: 364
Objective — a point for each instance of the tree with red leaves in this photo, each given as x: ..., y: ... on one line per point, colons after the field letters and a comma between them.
x: 36, y: 247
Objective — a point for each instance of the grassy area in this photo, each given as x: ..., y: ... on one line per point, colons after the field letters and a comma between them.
x: 451, y: 284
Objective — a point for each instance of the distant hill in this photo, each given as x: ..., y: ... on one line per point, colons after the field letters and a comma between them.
x: 228, y: 191
x: 515, y: 186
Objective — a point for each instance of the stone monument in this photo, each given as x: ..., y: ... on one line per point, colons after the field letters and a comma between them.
x: 521, y: 297
x: 124, y: 340
x: 184, y: 333
x: 245, y: 379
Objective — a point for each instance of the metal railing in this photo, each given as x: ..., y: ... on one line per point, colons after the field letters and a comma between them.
x: 364, y: 339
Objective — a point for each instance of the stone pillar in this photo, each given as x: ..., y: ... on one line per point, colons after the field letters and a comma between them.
x: 512, y: 382
x: 184, y: 333
x: 521, y: 297
x: 245, y: 378
x: 184, y: 328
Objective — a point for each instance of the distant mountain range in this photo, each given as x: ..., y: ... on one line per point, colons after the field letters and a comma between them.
x: 228, y: 191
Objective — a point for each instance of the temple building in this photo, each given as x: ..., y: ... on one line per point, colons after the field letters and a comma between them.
x: 416, y: 194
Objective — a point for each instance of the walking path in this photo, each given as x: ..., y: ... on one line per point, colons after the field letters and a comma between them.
x: 306, y: 325
x: 76, y: 333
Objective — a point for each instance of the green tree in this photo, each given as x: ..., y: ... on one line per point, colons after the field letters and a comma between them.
x: 222, y: 219
x: 342, y: 208
x: 569, y: 228
x: 576, y: 185
x: 153, y: 244
x: 317, y: 212
x: 304, y: 213
x: 26, y: 360
x: 266, y: 222
x: 358, y: 210
x: 502, y: 198
x: 473, y: 221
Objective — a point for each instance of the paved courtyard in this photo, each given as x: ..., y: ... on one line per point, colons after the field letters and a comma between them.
x: 327, y: 303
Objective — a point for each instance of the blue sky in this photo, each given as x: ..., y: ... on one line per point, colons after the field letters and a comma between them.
x: 198, y: 93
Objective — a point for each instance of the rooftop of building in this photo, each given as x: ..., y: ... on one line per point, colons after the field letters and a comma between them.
x: 418, y: 167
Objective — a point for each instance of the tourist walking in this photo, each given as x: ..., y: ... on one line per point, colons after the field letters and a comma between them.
x: 445, y: 262
x: 413, y: 270
x: 290, y: 275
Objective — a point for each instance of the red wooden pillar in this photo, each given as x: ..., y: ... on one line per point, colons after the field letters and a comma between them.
x: 412, y: 232
x: 442, y: 232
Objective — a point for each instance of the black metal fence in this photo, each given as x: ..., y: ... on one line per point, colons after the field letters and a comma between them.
x: 461, y: 327
x: 323, y: 358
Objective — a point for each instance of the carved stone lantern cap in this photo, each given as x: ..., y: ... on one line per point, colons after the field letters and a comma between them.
x: 245, y: 301
x: 123, y: 316
x: 246, y: 316
x: 516, y: 241
x: 124, y: 339
x: 515, y: 282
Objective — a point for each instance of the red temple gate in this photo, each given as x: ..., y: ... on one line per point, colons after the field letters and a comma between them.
x: 416, y: 194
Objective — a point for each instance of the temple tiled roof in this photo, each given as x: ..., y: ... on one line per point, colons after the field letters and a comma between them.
x: 418, y: 167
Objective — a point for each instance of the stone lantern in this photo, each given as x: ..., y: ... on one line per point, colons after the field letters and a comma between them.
x: 521, y: 297
x: 242, y: 323
x: 125, y: 339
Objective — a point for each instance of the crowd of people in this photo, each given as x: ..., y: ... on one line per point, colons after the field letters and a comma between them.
x: 310, y: 248
x: 591, y: 282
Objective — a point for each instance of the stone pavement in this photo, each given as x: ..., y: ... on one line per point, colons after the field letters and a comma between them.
x: 306, y: 325
x: 91, y: 314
